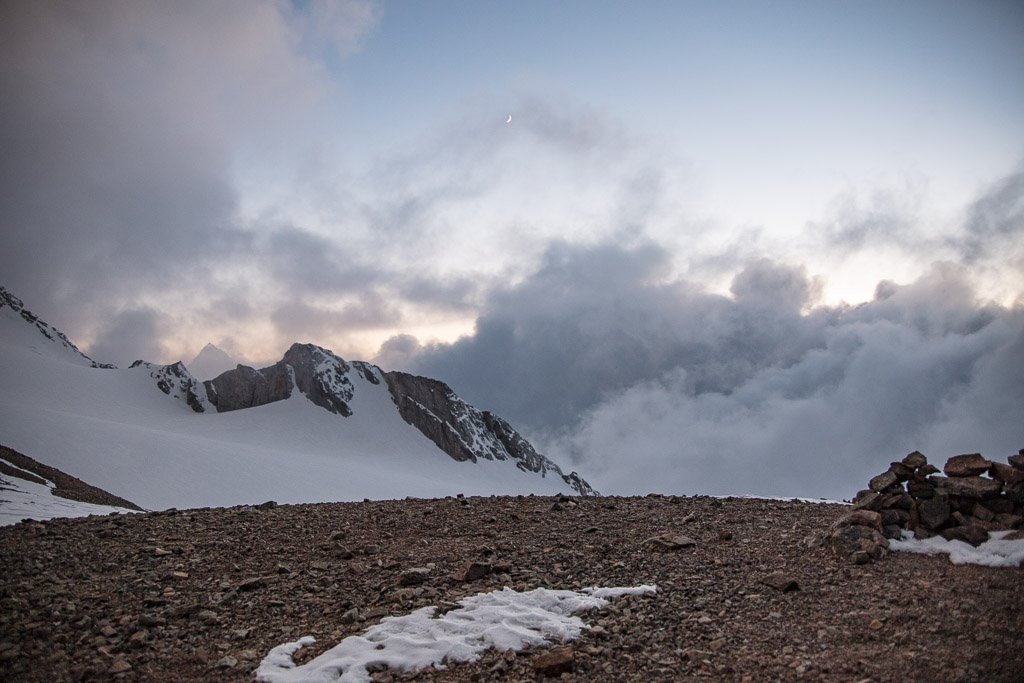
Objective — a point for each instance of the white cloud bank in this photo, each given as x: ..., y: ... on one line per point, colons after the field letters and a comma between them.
x: 646, y: 385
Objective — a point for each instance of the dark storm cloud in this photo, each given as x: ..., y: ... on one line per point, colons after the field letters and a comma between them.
x: 591, y: 321
x: 300, y: 321
x: 128, y: 336
x: 104, y: 179
x: 397, y: 352
x: 445, y: 293
x: 302, y: 261
x: 647, y: 384
x: 121, y: 124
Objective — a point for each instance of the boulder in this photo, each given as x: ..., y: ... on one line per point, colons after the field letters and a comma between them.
x: 848, y: 540
x: 967, y: 465
x: 473, y: 570
x: 1017, y: 460
x: 867, y: 518
x: 900, y: 500
x: 867, y: 500
x: 968, y: 533
x: 934, y: 512
x: 781, y: 581
x: 883, y: 481
x: 920, y: 488
x: 1006, y: 473
x: 998, y: 505
x: 1014, y: 492
x: 1008, y: 521
x: 558, y: 661
x: 914, y: 460
x: 895, y: 516
x: 902, y: 472
x: 414, y: 576
x: 983, y: 513
x: 973, y: 487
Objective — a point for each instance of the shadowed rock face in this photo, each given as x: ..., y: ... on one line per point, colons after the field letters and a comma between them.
x: 465, y: 433
x: 430, y: 406
x: 317, y: 373
x: 246, y: 387
x: 457, y: 428
x: 177, y: 382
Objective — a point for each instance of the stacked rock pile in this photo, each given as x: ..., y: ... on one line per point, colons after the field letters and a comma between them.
x: 912, y: 495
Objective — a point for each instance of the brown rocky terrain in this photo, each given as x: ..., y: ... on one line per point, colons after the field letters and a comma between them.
x: 746, y: 591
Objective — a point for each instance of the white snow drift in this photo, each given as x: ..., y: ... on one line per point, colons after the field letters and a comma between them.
x: 504, y: 620
x: 997, y: 551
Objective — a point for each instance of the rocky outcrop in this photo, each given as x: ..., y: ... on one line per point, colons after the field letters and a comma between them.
x: 465, y: 433
x: 324, y: 377
x: 317, y: 373
x: 246, y: 387
x: 8, y: 300
x: 457, y: 428
x: 177, y: 382
x: 911, y: 495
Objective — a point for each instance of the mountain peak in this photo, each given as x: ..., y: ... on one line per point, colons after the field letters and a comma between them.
x: 211, y: 361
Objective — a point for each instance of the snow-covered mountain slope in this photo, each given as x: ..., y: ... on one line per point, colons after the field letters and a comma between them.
x: 22, y: 327
x: 136, y: 432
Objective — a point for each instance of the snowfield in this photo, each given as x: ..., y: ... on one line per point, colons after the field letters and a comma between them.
x: 114, y: 429
x: 21, y: 499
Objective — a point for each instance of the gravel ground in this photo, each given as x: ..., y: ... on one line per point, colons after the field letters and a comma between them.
x: 204, y: 594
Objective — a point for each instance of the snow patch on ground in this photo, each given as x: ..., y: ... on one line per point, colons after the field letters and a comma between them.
x: 21, y: 499
x: 505, y: 620
x: 995, y: 552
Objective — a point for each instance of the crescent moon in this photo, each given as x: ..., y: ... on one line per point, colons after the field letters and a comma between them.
x: 509, y: 119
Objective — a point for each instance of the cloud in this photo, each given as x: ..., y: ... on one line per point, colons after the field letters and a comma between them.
x: 302, y: 261
x: 398, y: 351
x: 340, y: 26
x: 296, y: 319
x: 648, y: 383
x: 122, y: 128
x: 879, y: 386
x: 995, y: 221
x: 130, y: 335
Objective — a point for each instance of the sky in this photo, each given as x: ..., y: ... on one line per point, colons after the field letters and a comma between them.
x: 742, y: 243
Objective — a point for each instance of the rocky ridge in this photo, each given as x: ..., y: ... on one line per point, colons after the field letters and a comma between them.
x: 457, y: 428
x: 177, y: 382
x: 52, y: 333
x: 912, y: 495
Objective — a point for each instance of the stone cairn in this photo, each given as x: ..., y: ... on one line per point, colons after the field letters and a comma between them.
x: 912, y: 495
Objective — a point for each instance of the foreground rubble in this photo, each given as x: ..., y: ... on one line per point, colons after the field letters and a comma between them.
x: 747, y: 591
